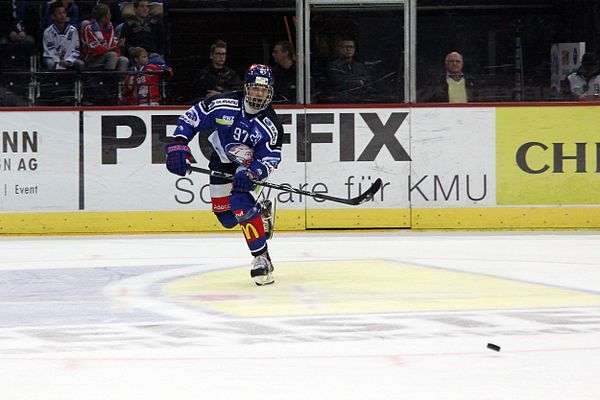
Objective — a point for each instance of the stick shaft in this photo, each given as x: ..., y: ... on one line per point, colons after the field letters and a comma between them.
x: 286, y: 188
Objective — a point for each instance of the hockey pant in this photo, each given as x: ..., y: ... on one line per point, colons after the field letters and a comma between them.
x: 232, y: 208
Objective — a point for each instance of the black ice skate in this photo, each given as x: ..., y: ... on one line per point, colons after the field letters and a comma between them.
x: 262, y: 269
x: 267, y: 212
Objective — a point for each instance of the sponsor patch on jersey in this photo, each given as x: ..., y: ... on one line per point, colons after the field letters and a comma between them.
x: 273, y: 134
x: 223, y: 102
x: 225, y: 120
x: 221, y: 204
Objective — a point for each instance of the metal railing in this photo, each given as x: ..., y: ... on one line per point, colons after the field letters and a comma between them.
x: 76, y: 88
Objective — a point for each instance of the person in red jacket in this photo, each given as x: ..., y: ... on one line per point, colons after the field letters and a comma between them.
x: 142, y: 85
x: 100, y: 44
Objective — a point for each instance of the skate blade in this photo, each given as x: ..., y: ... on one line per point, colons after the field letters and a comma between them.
x: 263, y: 280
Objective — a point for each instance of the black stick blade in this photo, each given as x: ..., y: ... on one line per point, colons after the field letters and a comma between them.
x: 368, y: 194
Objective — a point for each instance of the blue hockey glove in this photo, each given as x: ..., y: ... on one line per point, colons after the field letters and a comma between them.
x: 178, y: 153
x: 242, y: 180
x: 259, y: 170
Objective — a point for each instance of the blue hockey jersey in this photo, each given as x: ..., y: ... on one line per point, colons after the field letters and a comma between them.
x: 229, y: 125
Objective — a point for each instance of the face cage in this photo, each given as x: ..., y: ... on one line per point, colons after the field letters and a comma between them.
x: 258, y: 103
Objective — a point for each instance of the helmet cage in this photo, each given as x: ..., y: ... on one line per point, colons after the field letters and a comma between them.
x: 258, y: 102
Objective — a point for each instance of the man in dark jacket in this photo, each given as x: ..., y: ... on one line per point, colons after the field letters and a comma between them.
x: 284, y: 73
x: 13, y: 30
x: 216, y: 78
x: 144, y: 31
x: 349, y: 79
x: 454, y: 86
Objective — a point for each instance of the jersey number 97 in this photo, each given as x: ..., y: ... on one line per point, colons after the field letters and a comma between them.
x: 239, y: 133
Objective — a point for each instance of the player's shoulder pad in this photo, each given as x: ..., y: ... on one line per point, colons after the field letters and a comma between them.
x: 224, y: 100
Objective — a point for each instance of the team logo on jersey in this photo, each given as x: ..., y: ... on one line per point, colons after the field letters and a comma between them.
x: 223, y: 102
x: 226, y: 120
x: 240, y: 153
x: 255, y: 136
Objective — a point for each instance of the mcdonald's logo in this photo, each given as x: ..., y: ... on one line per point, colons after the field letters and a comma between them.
x: 250, y: 231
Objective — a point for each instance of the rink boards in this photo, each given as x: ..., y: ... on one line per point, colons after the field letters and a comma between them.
x: 476, y: 167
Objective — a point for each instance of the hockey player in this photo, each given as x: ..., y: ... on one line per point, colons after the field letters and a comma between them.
x: 246, y: 135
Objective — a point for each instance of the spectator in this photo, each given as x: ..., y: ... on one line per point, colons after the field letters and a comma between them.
x: 72, y: 11
x: 86, y: 7
x: 13, y: 15
x: 453, y: 86
x: 216, y: 78
x: 16, y: 46
x: 100, y: 42
x: 128, y: 10
x: 12, y: 29
x: 141, y: 30
x: 61, y: 41
x: 142, y: 86
x: 349, y: 78
x: 584, y: 84
x: 284, y: 73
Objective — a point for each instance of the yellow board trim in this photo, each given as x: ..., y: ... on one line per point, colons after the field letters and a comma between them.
x: 358, y: 218
x: 84, y: 222
x: 506, y: 218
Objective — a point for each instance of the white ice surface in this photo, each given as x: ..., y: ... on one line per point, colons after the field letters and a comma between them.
x: 65, y: 339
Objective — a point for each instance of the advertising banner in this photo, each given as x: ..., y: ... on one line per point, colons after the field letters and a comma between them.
x: 337, y: 152
x: 39, y: 161
x: 453, y: 159
x: 548, y: 156
x: 441, y: 167
x: 345, y: 150
x: 124, y: 164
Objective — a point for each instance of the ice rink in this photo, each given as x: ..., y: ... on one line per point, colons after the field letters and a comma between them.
x: 361, y: 315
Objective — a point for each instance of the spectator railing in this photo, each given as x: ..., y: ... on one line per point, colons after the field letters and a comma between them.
x: 71, y: 88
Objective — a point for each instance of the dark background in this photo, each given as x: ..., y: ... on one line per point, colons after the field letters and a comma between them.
x: 484, y: 31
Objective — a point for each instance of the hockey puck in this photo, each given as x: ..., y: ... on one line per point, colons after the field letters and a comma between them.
x: 492, y: 346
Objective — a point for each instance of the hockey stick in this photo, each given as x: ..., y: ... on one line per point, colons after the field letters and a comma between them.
x: 363, y: 197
